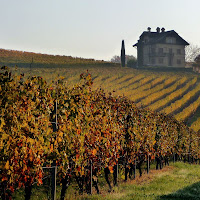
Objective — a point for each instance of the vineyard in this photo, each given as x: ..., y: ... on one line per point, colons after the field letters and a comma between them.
x: 79, y: 124
x: 173, y: 93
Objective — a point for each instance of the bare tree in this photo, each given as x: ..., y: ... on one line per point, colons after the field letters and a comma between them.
x: 117, y: 59
x: 191, y: 52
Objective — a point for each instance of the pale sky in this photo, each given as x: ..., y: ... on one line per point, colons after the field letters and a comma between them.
x: 92, y: 28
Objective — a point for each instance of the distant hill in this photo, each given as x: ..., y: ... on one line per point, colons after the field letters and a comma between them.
x: 27, y: 59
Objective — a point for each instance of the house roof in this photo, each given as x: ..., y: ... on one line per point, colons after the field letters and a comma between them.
x: 160, y: 37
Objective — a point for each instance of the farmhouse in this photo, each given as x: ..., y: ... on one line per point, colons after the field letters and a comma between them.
x: 161, y: 48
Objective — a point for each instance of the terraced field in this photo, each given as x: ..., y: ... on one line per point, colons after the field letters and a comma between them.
x: 172, y: 92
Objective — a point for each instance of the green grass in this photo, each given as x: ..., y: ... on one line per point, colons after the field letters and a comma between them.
x: 179, y: 181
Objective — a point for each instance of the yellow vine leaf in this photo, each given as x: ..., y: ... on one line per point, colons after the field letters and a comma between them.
x: 61, y: 134
x: 94, y: 152
x: 51, y: 148
x: 2, y: 123
x: 59, y: 139
x: 7, y: 165
x: 111, y: 169
x: 4, y: 136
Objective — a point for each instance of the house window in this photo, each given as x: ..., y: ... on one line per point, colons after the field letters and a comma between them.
x: 179, y: 51
x: 160, y: 60
x: 160, y: 50
x: 153, y: 50
x: 170, y: 40
x: 153, y: 61
x: 179, y: 61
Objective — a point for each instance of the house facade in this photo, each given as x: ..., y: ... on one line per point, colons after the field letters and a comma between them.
x: 161, y: 48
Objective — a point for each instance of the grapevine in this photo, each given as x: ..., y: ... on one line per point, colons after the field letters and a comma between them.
x: 94, y: 129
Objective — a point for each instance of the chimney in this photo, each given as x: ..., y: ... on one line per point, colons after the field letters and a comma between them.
x: 149, y: 29
x: 158, y: 30
x: 163, y: 29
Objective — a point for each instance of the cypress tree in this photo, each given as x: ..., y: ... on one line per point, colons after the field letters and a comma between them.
x: 123, y: 58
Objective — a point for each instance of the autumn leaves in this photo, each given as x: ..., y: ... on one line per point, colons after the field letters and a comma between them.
x: 92, y: 127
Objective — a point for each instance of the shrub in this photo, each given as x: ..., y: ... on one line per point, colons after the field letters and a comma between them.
x: 132, y: 63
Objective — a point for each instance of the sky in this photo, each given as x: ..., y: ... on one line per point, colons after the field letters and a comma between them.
x: 92, y: 28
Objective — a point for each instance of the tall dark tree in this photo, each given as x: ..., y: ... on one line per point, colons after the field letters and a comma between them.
x: 123, y: 57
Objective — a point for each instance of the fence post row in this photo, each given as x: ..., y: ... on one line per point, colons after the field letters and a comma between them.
x: 54, y: 167
x: 54, y: 171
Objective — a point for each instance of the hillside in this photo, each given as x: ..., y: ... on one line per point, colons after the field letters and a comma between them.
x: 27, y: 59
x: 96, y: 130
x: 171, y: 92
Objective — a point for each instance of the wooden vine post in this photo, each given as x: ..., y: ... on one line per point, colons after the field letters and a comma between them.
x: 135, y: 169
x: 117, y: 171
x: 147, y: 163
x: 53, y: 181
x: 91, y: 177
x: 54, y: 167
